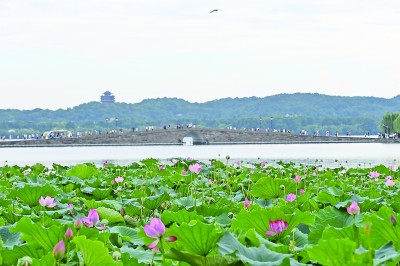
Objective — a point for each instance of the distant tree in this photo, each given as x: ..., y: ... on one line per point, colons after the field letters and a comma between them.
x: 396, y: 124
x: 387, y: 123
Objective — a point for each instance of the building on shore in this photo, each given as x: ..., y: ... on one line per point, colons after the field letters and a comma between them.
x: 107, y: 97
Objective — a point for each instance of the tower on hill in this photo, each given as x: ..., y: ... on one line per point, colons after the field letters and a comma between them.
x: 107, y: 97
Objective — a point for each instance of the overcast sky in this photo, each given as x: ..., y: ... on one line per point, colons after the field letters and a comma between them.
x: 61, y: 53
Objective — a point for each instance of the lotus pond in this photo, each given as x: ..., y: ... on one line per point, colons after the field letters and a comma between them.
x: 187, y: 212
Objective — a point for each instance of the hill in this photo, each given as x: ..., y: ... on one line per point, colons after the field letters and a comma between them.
x: 299, y: 111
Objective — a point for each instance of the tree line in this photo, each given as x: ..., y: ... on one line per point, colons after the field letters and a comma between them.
x: 295, y: 112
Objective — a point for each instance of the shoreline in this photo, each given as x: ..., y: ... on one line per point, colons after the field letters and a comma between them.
x: 174, y: 137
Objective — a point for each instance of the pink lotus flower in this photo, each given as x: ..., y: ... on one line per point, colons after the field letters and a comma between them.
x: 353, y: 209
x: 93, y: 219
x: 262, y: 164
x: 47, y: 202
x: 105, y: 164
x: 156, y: 230
x: 252, y: 171
x: 276, y: 227
x: 195, y: 168
x: 291, y: 197
x: 174, y: 161
x: 69, y: 234
x: 373, y: 174
x: 302, y: 191
x: 391, y: 167
x: 161, y: 168
x: 314, y: 173
x: 297, y: 179
x: 184, y: 171
x: 119, y: 179
x: 390, y: 182
x: 27, y: 172
x: 246, y: 203
x: 59, y: 250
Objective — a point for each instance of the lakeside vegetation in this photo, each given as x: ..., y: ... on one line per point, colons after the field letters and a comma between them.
x: 187, y: 212
x: 295, y: 112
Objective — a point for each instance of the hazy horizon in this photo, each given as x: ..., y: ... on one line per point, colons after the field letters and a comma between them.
x: 59, y: 54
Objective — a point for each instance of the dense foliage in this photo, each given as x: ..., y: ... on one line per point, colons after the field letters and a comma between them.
x: 186, y: 212
x: 390, y: 123
x: 295, y: 112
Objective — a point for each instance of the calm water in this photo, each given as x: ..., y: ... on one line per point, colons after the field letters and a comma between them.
x: 354, y: 154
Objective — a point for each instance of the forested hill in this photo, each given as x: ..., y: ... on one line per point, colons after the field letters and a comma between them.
x: 292, y: 111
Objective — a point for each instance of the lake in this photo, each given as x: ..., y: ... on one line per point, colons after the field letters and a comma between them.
x: 347, y: 154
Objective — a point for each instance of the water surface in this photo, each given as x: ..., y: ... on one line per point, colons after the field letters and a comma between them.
x: 351, y: 154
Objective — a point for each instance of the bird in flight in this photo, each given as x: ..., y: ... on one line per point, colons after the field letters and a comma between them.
x: 215, y: 10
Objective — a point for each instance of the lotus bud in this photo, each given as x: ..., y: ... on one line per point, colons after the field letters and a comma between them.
x: 282, y: 187
x: 59, y: 250
x: 116, y: 255
x: 78, y: 223
x: 228, y: 157
x: 393, y: 220
x: 129, y: 220
x: 122, y: 211
x: 26, y: 261
x: 69, y: 234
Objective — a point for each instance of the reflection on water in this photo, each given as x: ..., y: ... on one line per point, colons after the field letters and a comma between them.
x: 348, y: 154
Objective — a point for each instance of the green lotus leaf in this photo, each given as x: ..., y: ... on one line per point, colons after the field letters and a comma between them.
x: 11, y: 217
x: 112, y: 216
x: 131, y: 233
x: 83, y: 171
x: 387, y: 254
x: 336, y: 252
x: 11, y: 256
x: 30, y: 194
x: 102, y: 193
x: 326, y: 197
x: 142, y: 256
x: 133, y: 210
x: 382, y: 230
x: 197, y: 260
x: 269, y: 188
x: 259, y: 220
x: 150, y: 163
x: 251, y: 255
x: 9, y: 239
x: 329, y: 216
x: 187, y: 202
x: 38, y: 236
x: 182, y: 216
x: 196, y: 237
x: 44, y: 261
x: 154, y: 202
x: 93, y: 252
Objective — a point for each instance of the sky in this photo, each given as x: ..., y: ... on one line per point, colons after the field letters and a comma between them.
x: 59, y: 54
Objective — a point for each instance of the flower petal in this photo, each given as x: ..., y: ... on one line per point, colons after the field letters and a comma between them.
x: 153, y: 244
x: 270, y: 233
x: 170, y: 239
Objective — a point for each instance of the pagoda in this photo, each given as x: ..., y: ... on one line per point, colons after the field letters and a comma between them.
x: 107, y: 97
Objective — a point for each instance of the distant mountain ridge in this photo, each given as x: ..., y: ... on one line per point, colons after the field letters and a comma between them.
x: 238, y: 112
